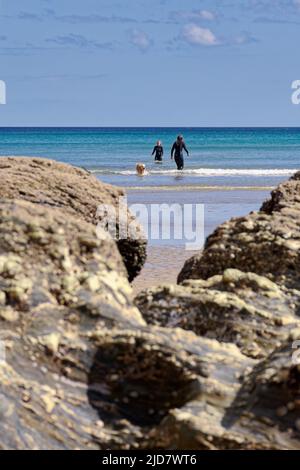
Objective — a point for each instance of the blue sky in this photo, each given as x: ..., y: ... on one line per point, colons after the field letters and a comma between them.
x: 149, y: 62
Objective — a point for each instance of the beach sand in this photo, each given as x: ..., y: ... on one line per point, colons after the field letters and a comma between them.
x: 166, y: 257
x: 162, y: 267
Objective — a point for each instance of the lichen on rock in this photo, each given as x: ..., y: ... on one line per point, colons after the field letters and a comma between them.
x: 76, y: 192
x: 265, y: 242
x: 242, y: 308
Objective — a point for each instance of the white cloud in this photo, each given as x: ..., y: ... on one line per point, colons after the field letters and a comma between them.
x: 207, y: 15
x: 244, y: 38
x: 140, y: 39
x: 194, y: 34
x: 194, y: 15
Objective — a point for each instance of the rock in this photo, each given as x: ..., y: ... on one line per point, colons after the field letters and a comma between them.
x: 34, y: 271
x: 242, y: 308
x: 51, y: 342
x: 285, y: 195
x: 242, y: 289
x: 47, y: 327
x: 210, y: 368
x: 73, y: 190
x: 128, y: 380
x: 250, y: 421
x: 266, y: 242
x: 76, y: 357
x: 151, y: 373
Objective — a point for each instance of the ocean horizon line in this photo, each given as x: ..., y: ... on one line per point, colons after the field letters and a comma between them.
x: 151, y: 127
x: 198, y: 187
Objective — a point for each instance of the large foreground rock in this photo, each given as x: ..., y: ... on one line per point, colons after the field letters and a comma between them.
x: 204, y: 365
x: 74, y: 190
x: 59, y: 285
x: 242, y: 289
x: 265, y: 413
x: 82, y: 369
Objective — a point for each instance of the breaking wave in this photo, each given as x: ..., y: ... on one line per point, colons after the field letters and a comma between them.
x: 203, y: 172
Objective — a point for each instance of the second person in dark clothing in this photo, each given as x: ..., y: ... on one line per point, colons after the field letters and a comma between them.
x: 177, y: 151
x: 158, y: 151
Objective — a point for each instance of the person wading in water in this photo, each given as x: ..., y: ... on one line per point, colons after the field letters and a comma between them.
x: 177, y: 151
x: 158, y: 151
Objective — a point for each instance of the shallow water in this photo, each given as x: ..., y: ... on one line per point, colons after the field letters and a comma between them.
x: 218, y: 156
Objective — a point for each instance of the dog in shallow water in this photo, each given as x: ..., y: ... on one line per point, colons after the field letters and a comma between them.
x: 140, y: 169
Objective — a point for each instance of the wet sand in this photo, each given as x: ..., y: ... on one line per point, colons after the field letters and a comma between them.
x: 166, y: 257
x: 162, y: 267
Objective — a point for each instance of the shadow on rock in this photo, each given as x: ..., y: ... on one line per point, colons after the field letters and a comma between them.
x: 134, y: 379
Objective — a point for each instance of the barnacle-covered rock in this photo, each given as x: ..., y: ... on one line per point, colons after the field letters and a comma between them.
x: 59, y: 284
x: 243, y: 308
x: 78, y: 193
x: 264, y: 415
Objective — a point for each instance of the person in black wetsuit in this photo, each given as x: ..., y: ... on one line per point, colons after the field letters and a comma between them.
x: 158, y: 151
x: 177, y: 151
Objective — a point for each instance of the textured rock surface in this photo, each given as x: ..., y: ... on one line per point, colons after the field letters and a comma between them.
x: 264, y: 413
x: 154, y: 372
x: 242, y: 289
x: 75, y: 191
x: 82, y: 370
x: 244, y: 308
x: 59, y: 285
x: 265, y: 243
x: 286, y: 194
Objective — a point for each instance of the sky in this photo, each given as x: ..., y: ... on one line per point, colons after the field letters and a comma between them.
x: 149, y: 62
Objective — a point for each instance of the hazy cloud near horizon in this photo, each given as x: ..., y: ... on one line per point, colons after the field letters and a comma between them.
x: 80, y: 41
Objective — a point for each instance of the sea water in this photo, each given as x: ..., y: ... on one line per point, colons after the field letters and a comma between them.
x: 231, y: 157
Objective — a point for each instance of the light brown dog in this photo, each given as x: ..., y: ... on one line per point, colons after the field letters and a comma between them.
x: 140, y: 169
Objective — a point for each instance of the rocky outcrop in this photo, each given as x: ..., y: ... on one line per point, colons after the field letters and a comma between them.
x: 82, y: 369
x: 202, y: 365
x: 59, y: 285
x: 285, y: 195
x: 243, y: 308
x: 48, y: 259
x: 266, y: 242
x: 242, y: 290
x: 163, y: 371
x: 77, y: 192
x: 263, y: 414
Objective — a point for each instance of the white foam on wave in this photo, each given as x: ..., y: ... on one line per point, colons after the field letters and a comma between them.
x: 205, y: 172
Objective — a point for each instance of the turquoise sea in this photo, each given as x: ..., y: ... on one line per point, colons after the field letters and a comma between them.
x: 218, y: 156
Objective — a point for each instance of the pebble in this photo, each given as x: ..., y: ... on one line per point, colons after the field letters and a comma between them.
x: 281, y: 411
x: 93, y: 283
x: 291, y: 406
x: 26, y: 397
x: 9, y: 315
x: 51, y: 342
